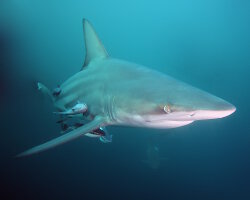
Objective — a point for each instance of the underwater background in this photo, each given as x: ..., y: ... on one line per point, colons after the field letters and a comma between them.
x: 204, y: 43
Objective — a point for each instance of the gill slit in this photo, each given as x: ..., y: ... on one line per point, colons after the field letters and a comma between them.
x: 110, y: 109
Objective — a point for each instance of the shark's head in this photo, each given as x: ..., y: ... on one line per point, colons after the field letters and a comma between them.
x: 176, y: 104
x: 194, y: 104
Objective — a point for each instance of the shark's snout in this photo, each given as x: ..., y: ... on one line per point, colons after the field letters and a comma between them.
x: 223, y: 110
x: 200, y: 105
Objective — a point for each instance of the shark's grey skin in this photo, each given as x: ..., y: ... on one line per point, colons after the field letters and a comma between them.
x: 118, y: 92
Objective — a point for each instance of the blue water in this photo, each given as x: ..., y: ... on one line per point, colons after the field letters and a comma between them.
x: 204, y: 43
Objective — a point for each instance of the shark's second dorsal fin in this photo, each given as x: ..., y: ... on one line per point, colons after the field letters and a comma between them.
x: 93, y: 45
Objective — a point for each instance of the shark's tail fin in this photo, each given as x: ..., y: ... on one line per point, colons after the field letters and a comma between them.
x: 45, y: 91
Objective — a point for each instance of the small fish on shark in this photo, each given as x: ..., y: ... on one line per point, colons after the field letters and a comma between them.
x: 108, y: 91
x: 79, y: 108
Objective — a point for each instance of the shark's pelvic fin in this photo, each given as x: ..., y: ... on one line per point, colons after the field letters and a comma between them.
x: 96, y: 123
x: 45, y: 90
x: 93, y: 45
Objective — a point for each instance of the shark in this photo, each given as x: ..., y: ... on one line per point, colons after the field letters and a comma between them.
x: 118, y: 92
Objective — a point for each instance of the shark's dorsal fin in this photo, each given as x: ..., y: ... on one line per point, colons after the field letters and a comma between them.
x: 93, y: 45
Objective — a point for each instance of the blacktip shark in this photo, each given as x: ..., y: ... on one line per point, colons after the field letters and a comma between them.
x: 118, y: 92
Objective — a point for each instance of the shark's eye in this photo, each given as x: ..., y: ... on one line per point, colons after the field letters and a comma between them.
x: 167, y: 109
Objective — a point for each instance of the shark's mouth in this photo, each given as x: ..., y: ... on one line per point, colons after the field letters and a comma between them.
x: 175, y: 116
x: 163, y: 123
x: 213, y: 114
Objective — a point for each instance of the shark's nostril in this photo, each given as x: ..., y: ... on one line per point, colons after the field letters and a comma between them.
x: 192, y: 114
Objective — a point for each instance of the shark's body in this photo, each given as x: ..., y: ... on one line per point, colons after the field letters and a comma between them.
x: 118, y: 92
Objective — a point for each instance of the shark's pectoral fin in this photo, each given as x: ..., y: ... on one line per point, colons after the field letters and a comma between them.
x: 97, y: 122
x: 93, y: 45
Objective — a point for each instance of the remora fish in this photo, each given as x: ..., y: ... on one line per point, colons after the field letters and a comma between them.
x: 118, y: 92
x: 79, y: 108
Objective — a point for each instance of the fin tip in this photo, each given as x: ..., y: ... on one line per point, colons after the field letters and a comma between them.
x: 39, y: 86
